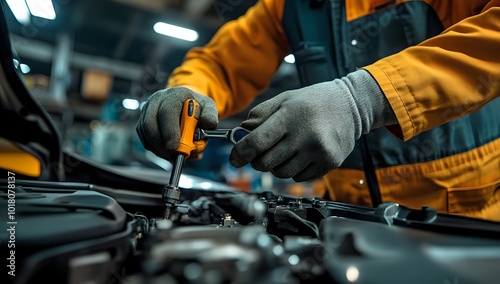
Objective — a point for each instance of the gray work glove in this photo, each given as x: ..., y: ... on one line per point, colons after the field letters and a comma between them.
x: 308, y: 132
x: 159, y: 123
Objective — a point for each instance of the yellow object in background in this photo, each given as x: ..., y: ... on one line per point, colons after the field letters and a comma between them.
x: 15, y: 159
x: 314, y: 188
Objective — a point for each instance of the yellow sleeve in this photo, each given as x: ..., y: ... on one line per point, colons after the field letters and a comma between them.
x: 239, y: 61
x: 445, y: 77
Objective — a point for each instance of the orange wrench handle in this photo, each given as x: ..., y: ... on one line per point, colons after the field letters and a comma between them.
x: 189, y: 118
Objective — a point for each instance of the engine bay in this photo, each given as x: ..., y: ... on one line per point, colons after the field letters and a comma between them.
x: 80, y: 233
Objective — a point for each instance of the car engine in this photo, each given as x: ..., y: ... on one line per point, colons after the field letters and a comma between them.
x: 83, y: 233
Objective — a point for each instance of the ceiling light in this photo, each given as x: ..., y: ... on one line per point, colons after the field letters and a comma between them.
x: 290, y: 59
x: 175, y: 31
x: 24, y: 68
x: 20, y: 11
x: 42, y: 8
x: 130, y: 104
x: 352, y: 274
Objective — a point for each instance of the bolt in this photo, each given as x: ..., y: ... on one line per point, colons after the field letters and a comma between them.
x: 299, y: 200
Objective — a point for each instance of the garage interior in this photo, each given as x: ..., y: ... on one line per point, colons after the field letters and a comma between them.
x: 103, y: 209
x: 96, y: 62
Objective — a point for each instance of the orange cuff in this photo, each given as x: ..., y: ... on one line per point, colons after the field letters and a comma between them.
x: 397, y: 93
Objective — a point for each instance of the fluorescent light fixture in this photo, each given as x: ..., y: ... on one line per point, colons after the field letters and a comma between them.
x: 175, y: 31
x: 42, y: 8
x: 20, y: 11
x: 290, y: 59
x: 130, y: 104
x: 25, y: 69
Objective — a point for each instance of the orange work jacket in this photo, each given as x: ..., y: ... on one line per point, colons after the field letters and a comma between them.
x: 430, y: 84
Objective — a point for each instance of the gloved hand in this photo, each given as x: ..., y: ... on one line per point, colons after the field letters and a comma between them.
x: 159, y: 123
x: 308, y: 132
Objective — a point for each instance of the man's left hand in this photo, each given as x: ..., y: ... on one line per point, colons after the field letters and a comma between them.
x: 306, y: 133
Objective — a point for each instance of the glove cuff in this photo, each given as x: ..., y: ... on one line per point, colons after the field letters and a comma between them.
x: 374, y: 109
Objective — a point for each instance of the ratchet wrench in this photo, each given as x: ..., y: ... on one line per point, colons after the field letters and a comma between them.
x: 229, y: 134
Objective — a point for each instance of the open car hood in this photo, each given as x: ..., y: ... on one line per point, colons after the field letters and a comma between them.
x: 26, y: 126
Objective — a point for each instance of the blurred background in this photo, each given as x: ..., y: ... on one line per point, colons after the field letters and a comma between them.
x: 93, y: 63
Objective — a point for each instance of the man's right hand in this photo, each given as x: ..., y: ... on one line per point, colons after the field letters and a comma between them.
x: 159, y: 125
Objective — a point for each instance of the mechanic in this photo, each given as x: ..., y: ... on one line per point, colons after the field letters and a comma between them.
x: 431, y: 75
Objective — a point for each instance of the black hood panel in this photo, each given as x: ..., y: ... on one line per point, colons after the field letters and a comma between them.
x: 24, y: 122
